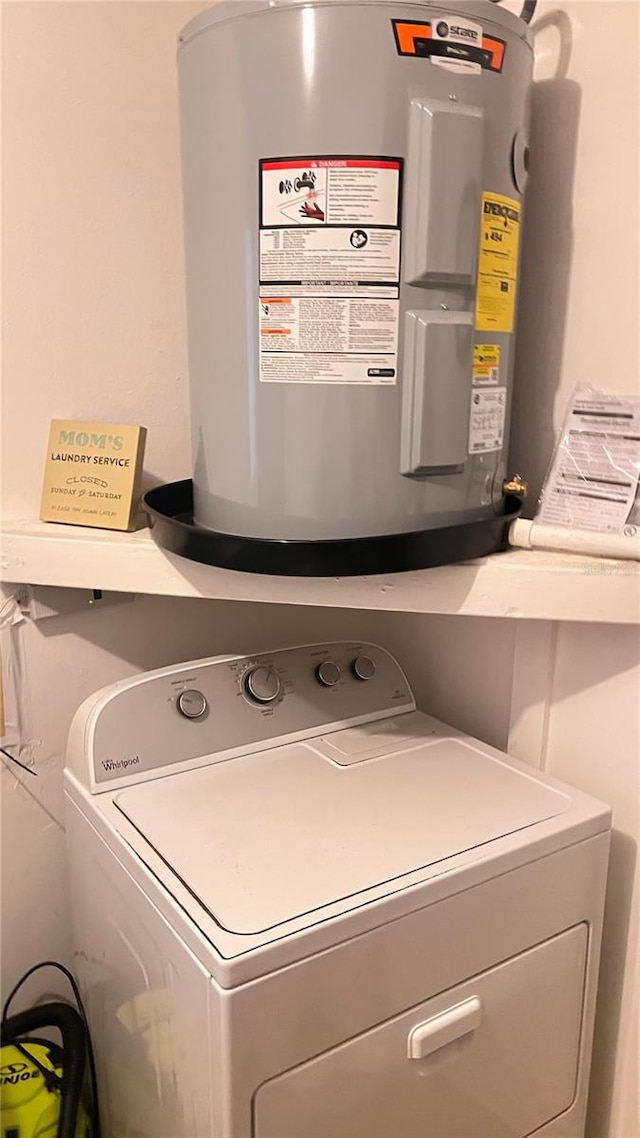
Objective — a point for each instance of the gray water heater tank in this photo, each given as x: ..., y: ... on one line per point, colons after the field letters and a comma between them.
x: 353, y: 176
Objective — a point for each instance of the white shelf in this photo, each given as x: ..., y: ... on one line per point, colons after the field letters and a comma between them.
x: 519, y: 583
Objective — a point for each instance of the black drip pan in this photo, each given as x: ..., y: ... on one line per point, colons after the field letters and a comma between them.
x: 170, y: 510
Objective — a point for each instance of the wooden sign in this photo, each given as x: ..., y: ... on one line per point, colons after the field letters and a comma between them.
x: 92, y: 474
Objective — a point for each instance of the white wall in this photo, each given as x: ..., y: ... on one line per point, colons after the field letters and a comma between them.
x: 94, y: 327
x: 94, y: 306
x: 578, y: 316
x: 578, y: 325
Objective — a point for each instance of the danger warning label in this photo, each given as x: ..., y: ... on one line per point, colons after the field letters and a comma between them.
x: 330, y: 191
x: 329, y: 269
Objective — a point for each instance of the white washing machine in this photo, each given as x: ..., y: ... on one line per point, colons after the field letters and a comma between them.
x: 303, y: 909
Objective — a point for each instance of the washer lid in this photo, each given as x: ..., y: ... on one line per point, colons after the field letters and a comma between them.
x: 274, y: 836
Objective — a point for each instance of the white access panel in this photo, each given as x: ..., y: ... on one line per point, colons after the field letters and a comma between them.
x: 501, y: 1056
x: 270, y: 837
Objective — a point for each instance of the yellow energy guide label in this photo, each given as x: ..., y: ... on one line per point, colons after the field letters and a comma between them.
x: 498, y: 263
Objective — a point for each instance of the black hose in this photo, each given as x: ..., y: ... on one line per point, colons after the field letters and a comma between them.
x: 96, y: 1129
x: 74, y: 1043
x: 528, y: 9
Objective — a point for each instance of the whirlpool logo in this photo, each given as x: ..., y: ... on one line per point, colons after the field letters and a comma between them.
x: 121, y: 764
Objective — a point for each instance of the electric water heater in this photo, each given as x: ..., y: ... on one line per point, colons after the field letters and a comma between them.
x: 353, y: 175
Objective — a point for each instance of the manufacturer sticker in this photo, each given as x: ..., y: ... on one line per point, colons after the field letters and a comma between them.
x: 455, y: 43
x: 329, y: 269
x: 486, y: 364
x: 497, y: 263
x: 486, y: 425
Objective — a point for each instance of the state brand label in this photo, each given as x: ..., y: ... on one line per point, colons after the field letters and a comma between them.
x: 455, y: 43
x: 329, y: 269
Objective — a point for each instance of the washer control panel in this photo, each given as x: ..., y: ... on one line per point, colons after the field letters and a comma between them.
x: 215, y: 709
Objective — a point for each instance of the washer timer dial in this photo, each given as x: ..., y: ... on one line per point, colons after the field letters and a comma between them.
x: 262, y: 684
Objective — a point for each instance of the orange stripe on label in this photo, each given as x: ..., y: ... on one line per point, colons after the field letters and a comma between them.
x: 407, y: 34
x: 276, y: 331
x: 496, y: 47
x: 276, y: 300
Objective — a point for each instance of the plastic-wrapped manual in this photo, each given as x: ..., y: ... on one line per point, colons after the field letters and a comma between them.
x: 590, y: 502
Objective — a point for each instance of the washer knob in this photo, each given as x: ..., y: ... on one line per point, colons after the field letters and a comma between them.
x: 192, y: 703
x: 364, y: 667
x: 328, y: 673
x: 263, y: 684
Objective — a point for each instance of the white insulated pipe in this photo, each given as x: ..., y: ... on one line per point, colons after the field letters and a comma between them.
x: 534, y: 535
